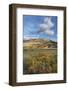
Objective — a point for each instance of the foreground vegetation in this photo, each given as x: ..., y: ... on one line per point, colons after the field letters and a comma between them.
x: 37, y: 61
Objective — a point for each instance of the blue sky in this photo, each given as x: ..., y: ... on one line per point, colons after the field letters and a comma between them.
x: 40, y: 27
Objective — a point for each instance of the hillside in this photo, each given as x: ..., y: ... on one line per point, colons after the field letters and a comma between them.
x: 39, y: 43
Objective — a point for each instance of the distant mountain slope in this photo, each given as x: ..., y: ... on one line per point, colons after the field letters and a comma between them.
x: 39, y: 43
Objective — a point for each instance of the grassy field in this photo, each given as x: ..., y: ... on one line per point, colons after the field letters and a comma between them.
x: 38, y: 61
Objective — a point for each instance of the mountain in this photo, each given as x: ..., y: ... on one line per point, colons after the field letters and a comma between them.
x: 39, y: 43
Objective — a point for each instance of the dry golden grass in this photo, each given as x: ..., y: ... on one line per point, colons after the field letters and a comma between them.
x: 40, y: 62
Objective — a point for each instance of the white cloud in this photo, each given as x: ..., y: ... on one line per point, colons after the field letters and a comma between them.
x: 43, y: 26
x: 46, y: 19
x: 49, y: 32
x: 50, y: 23
x: 27, y: 37
x: 46, y: 26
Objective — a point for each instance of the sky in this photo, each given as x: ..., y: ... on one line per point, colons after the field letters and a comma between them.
x: 43, y: 27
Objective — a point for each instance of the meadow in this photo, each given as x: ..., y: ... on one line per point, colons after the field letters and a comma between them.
x: 39, y: 61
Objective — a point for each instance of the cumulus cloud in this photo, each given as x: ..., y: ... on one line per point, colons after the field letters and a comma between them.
x: 46, y: 26
x: 49, y: 32
x: 43, y: 26
x: 48, y: 21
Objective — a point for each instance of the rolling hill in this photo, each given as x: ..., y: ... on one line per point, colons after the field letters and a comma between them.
x: 39, y: 43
